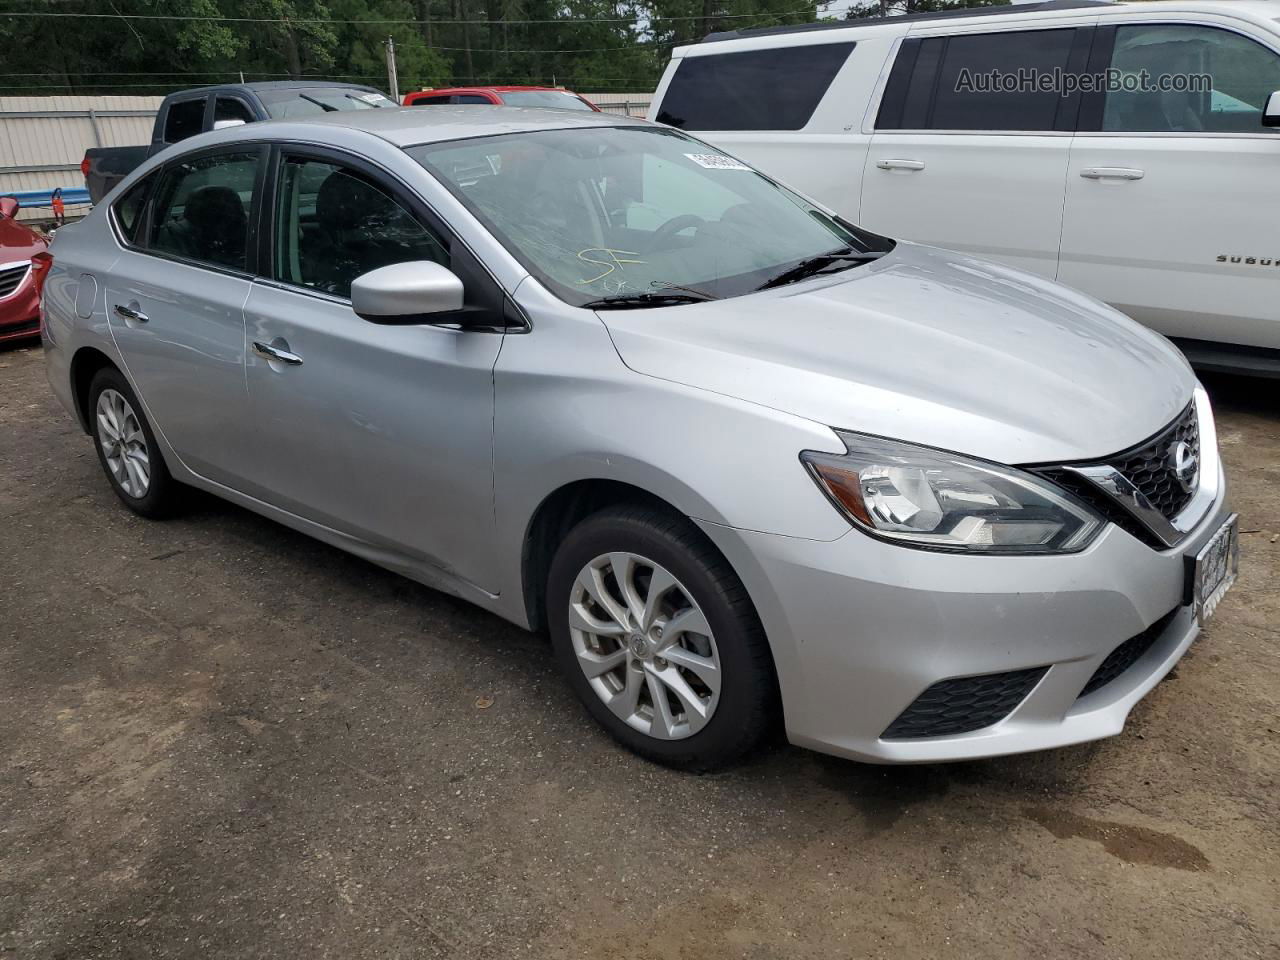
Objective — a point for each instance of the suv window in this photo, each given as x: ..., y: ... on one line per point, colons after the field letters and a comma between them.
x: 776, y: 89
x: 231, y: 108
x: 204, y: 207
x: 945, y: 83
x: 471, y: 98
x: 185, y: 118
x: 431, y: 101
x: 129, y: 209
x: 1244, y: 74
x: 333, y: 224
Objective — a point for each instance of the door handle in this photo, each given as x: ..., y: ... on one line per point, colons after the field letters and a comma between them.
x: 275, y: 353
x: 900, y: 164
x: 130, y: 312
x: 1112, y: 173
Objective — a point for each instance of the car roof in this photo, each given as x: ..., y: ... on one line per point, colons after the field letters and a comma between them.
x: 1265, y: 9
x: 268, y: 85
x: 406, y: 126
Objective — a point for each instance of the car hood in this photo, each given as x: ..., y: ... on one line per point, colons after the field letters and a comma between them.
x: 18, y: 242
x: 930, y: 347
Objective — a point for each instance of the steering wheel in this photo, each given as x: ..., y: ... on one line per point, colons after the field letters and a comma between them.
x: 668, y: 230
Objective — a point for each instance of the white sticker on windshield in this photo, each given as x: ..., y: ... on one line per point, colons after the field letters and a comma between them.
x: 373, y: 97
x: 716, y: 161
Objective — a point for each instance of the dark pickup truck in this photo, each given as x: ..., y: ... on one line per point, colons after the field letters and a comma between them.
x: 189, y: 112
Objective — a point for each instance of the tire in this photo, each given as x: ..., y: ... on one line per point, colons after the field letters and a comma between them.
x: 661, y: 545
x: 161, y: 494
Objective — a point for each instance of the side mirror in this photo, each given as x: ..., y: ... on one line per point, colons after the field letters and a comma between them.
x: 9, y: 207
x: 1271, y: 113
x: 225, y: 124
x: 419, y: 291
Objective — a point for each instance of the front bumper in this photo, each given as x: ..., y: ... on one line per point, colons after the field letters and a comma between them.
x: 20, y: 312
x: 860, y: 628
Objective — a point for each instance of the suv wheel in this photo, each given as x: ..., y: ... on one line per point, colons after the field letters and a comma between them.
x: 657, y: 636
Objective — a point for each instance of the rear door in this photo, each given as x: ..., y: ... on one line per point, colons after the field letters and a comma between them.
x: 970, y: 151
x: 791, y: 109
x: 174, y: 300
x: 1172, y: 195
x: 381, y: 432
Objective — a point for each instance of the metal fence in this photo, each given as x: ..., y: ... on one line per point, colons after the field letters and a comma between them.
x: 43, y: 140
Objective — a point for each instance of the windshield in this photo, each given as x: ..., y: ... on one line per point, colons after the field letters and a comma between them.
x: 543, y: 98
x: 616, y: 211
x: 312, y: 101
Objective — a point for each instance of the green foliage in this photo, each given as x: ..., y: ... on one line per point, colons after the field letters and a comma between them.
x: 591, y: 45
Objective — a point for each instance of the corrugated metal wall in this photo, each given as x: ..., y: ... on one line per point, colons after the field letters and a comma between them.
x: 43, y: 139
x: 632, y: 104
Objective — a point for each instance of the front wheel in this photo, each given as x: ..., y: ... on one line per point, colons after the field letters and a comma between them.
x: 657, y: 636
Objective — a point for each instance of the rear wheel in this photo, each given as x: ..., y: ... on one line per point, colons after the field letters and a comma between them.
x: 657, y: 636
x: 127, y: 447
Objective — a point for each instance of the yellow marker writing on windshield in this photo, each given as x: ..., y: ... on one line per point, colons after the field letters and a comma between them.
x: 614, y: 260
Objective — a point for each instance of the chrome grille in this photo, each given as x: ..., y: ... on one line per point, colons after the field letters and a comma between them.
x: 1141, y: 489
x: 1150, y: 467
x: 11, y: 277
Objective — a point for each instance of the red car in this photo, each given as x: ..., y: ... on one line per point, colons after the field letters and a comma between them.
x: 24, y: 261
x: 510, y: 96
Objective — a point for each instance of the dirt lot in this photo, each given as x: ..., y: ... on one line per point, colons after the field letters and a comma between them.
x: 219, y: 739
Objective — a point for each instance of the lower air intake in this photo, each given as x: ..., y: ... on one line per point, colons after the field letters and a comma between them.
x: 1127, y: 654
x: 963, y: 704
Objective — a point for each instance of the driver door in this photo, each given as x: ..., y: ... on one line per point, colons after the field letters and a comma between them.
x: 383, y: 433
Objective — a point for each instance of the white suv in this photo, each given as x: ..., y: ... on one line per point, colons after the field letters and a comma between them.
x: 977, y: 130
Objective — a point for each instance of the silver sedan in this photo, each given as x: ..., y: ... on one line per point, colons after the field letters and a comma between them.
x: 745, y: 462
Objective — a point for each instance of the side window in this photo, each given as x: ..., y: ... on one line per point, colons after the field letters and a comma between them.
x: 185, y: 118
x: 431, y: 101
x: 1241, y: 74
x: 471, y: 98
x: 203, y: 208
x: 231, y: 108
x: 333, y: 224
x: 959, y: 101
x: 774, y: 89
x: 130, y: 208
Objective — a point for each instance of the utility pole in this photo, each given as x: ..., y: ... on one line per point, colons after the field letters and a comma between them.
x: 392, y: 81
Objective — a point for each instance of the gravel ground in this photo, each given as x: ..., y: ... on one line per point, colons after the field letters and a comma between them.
x: 220, y: 739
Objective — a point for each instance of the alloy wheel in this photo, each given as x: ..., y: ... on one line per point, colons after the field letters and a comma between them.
x: 644, y: 645
x: 124, y: 445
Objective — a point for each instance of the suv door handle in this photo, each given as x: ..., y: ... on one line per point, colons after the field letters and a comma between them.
x: 275, y: 353
x: 900, y: 164
x: 1112, y: 173
x: 130, y: 312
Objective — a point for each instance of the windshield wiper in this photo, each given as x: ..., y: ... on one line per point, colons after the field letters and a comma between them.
x: 326, y: 107
x: 633, y: 301
x: 815, y: 265
x: 667, y: 285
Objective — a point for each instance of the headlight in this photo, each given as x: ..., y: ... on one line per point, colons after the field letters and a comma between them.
x: 943, y: 501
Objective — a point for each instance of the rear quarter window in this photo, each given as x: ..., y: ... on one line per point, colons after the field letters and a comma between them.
x: 184, y: 119
x: 774, y: 89
x: 130, y: 209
